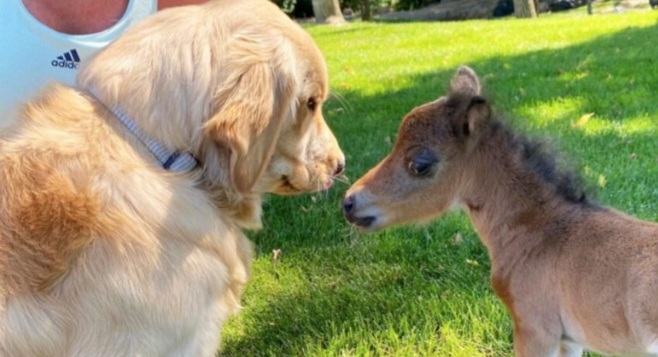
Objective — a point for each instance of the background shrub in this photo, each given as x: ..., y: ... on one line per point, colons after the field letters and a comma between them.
x: 413, y: 4
x: 304, y: 8
x: 296, y: 8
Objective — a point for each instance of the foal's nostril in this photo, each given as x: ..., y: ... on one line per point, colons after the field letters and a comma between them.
x: 340, y: 168
x: 348, y: 204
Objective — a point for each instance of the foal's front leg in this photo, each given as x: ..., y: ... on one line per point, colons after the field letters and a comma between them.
x: 570, y: 349
x: 532, y: 341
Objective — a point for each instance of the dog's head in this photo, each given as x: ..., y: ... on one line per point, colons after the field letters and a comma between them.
x: 235, y: 82
x: 268, y: 112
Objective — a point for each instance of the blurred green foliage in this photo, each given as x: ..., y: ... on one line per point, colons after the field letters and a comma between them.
x: 304, y: 8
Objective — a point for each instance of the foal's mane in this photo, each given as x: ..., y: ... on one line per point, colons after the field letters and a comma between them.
x: 538, y: 157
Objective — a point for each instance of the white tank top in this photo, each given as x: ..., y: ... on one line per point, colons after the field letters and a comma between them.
x: 34, y: 55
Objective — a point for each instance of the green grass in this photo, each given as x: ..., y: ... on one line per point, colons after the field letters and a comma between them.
x: 418, y: 291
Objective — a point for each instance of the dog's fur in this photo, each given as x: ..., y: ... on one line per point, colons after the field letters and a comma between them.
x: 103, y: 252
x: 573, y: 274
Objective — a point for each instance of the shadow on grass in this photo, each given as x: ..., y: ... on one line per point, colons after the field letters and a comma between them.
x: 613, y: 76
x: 362, y: 288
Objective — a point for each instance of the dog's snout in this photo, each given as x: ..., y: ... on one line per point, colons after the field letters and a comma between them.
x: 340, y: 168
x: 348, y: 205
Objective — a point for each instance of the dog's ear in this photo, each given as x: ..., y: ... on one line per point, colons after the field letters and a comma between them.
x: 249, y: 118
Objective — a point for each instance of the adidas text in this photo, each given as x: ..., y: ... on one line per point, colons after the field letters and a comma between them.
x: 64, y: 64
x: 68, y: 59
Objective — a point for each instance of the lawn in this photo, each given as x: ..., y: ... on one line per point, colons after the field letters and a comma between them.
x: 589, y: 83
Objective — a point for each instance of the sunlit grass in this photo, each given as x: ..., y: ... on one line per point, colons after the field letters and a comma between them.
x: 419, y: 290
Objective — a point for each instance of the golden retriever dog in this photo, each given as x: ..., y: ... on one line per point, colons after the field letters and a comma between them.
x: 103, y: 251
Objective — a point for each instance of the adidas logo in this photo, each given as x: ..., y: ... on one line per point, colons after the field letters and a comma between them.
x: 69, y: 59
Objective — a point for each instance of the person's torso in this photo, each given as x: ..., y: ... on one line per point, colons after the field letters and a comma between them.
x: 35, y: 55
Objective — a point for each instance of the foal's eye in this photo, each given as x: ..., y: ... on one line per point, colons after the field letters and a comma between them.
x: 420, y: 169
x: 311, y: 104
x: 422, y: 163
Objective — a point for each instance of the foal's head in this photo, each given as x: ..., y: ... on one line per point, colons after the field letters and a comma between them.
x: 421, y: 177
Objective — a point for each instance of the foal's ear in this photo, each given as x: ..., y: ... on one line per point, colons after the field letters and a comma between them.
x: 465, y: 82
x: 472, y: 111
x: 473, y: 119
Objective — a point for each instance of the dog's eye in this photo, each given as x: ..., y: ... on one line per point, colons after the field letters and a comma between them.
x: 422, y: 162
x: 311, y: 104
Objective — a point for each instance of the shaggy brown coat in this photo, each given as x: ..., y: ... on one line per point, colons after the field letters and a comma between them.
x: 573, y: 274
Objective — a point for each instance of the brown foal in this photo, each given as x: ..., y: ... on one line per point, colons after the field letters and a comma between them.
x: 572, y: 274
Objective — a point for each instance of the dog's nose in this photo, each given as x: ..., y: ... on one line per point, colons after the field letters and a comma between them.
x: 348, y: 205
x: 340, y: 168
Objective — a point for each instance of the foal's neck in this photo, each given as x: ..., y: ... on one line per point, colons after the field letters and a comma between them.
x: 509, y: 204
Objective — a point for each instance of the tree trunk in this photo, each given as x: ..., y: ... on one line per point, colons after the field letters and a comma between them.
x: 589, y: 7
x: 327, y: 11
x: 525, y: 8
x: 365, y: 10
